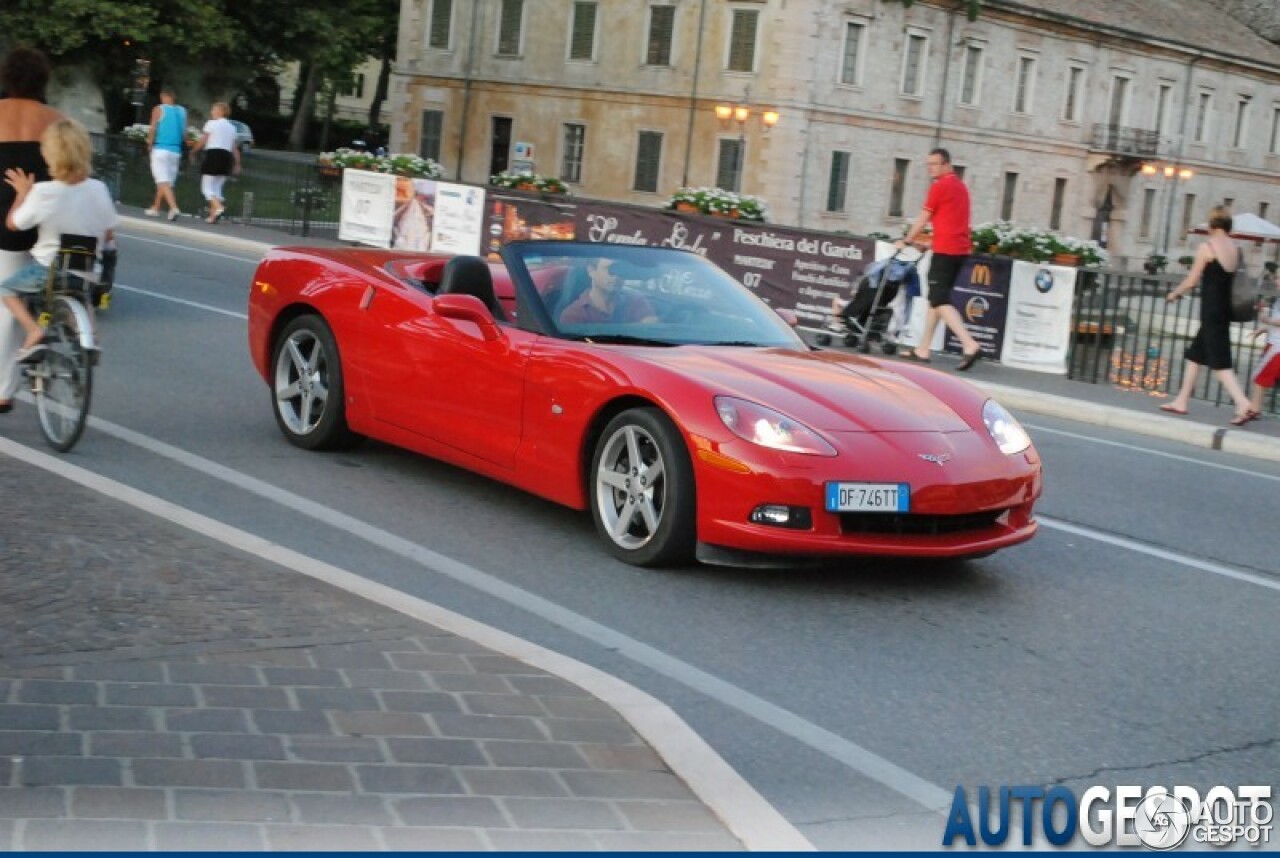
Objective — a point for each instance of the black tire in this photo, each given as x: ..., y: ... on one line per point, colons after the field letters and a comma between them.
x: 889, y: 348
x: 822, y: 339
x: 670, y: 499
x: 62, y: 383
x: 310, y: 405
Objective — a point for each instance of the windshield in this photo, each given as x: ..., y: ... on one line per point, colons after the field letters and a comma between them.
x: 643, y: 295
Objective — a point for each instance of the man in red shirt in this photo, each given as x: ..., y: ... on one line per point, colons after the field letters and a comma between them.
x: 947, y: 207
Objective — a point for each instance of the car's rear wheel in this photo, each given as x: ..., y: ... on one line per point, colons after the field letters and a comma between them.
x: 306, y: 386
x: 642, y: 490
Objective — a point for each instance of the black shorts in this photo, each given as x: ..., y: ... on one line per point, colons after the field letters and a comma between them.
x: 217, y: 162
x: 944, y: 268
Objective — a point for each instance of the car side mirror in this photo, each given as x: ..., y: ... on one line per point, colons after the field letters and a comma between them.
x: 788, y: 316
x: 468, y: 308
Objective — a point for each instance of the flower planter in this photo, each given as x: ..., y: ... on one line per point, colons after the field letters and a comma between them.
x: 1069, y: 259
x: 687, y: 207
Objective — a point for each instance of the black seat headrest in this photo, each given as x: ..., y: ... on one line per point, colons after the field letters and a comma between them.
x: 469, y: 275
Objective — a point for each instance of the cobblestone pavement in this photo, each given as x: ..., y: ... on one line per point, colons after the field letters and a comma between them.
x: 159, y: 690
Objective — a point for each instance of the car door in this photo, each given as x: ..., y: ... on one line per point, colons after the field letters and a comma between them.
x: 440, y: 378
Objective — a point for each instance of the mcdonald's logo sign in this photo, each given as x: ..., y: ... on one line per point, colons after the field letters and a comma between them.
x: 980, y: 275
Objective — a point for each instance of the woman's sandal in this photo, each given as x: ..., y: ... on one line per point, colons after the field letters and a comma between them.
x: 1248, y: 417
x: 911, y: 356
x: 968, y: 361
x: 1170, y: 408
x: 6, y: 406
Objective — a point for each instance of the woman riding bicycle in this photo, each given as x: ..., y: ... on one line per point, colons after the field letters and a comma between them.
x: 72, y: 203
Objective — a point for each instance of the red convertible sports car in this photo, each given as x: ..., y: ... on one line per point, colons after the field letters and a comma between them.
x: 648, y: 386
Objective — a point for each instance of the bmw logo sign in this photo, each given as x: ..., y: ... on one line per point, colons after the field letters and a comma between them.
x: 1044, y: 280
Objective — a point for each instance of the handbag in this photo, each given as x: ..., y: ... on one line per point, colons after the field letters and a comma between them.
x: 1244, y: 295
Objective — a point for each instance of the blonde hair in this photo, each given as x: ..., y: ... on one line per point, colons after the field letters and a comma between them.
x: 223, y: 106
x: 66, y: 149
x: 1220, y: 218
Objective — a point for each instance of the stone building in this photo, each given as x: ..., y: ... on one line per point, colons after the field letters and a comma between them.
x: 1050, y: 107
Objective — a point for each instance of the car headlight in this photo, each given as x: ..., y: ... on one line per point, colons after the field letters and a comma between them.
x: 1007, y: 432
x: 770, y: 428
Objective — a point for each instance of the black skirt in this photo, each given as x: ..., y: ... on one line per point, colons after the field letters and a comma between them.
x: 217, y: 162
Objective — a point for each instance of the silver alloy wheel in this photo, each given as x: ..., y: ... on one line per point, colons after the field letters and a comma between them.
x: 631, y: 487
x: 302, y: 381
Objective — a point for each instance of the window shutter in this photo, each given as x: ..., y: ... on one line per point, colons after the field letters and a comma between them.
x: 661, y: 26
x: 648, y: 157
x: 582, y: 46
x: 509, y: 28
x: 441, y: 17
x: 742, y: 45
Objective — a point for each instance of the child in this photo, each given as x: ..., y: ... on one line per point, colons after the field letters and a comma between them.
x: 1268, y: 372
x: 72, y: 203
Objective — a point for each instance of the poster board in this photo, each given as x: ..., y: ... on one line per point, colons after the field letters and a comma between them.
x: 368, y: 204
x: 1038, y: 331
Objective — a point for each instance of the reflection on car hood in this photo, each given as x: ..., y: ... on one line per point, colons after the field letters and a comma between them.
x: 824, y: 390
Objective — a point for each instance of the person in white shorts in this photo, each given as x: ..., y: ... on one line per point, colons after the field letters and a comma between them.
x: 164, y: 139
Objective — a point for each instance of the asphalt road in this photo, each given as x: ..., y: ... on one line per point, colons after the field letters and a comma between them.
x: 1130, y: 642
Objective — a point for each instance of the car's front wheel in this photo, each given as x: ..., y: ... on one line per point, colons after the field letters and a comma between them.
x: 642, y: 490
x: 306, y: 386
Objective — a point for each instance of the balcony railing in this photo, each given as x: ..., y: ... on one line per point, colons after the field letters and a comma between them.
x: 1121, y: 140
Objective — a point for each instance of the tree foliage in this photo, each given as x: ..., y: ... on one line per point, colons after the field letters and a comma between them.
x: 227, y: 43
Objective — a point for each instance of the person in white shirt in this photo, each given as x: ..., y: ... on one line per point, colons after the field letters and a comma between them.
x: 1267, y: 374
x: 72, y: 203
x: 221, y: 158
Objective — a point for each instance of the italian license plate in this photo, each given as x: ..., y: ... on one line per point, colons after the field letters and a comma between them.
x: 868, y: 497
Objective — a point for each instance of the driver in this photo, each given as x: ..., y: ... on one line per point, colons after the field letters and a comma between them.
x: 605, y: 300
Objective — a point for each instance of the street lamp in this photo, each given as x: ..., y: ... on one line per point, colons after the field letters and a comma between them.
x: 1171, y: 175
x: 740, y: 113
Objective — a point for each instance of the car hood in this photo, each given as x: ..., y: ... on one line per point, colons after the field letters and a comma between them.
x: 825, y: 390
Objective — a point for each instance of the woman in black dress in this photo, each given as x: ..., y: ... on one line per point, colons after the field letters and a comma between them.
x: 1213, y: 269
x: 24, y: 116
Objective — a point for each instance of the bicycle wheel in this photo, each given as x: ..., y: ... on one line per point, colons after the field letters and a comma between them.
x: 62, y: 382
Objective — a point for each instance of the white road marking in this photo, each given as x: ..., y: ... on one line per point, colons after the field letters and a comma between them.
x: 1136, y: 449
x: 196, y: 304
x: 191, y: 248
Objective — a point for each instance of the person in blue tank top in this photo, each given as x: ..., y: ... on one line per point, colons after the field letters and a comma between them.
x: 164, y: 140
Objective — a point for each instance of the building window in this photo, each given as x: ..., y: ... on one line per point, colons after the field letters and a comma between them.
x: 1163, y: 96
x: 441, y: 24
x: 648, y: 160
x: 1148, y: 208
x: 432, y: 132
x: 958, y: 169
x: 1262, y: 210
x: 849, y: 72
x: 1119, y: 112
x: 913, y: 62
x: 662, y: 24
x: 575, y: 140
x: 742, y: 40
x: 838, y: 184
x: 355, y: 89
x: 582, y: 37
x: 1059, y: 199
x: 510, y: 24
x: 729, y: 168
x: 500, y: 145
x: 971, y: 75
x: 1228, y: 203
x: 1026, y: 85
x: 898, y: 190
x: 1188, y: 212
x: 1203, y: 106
x: 1274, y: 148
x: 1071, y: 105
x: 1242, y: 121
x: 1010, y: 191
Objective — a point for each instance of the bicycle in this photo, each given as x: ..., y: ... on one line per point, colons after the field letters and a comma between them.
x: 60, y: 376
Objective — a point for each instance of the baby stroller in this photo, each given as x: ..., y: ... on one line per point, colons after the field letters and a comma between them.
x: 878, y: 309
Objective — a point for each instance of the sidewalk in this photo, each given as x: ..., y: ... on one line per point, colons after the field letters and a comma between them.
x: 164, y: 689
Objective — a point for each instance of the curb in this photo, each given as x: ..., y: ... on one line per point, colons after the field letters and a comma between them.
x: 166, y: 228
x: 1152, y: 425
x: 744, y: 811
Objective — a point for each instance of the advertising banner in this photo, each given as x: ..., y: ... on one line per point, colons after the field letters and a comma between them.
x: 1038, y: 331
x: 368, y: 207
x: 458, y: 225
x: 981, y: 294
x: 414, y: 214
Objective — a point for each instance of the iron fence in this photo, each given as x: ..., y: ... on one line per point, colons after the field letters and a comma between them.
x: 1124, y: 333
x: 277, y: 190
